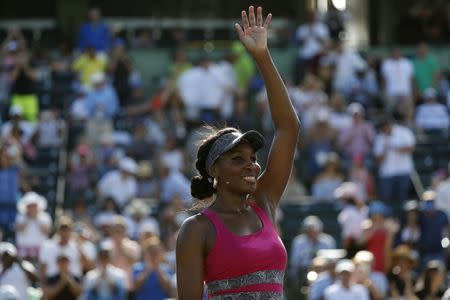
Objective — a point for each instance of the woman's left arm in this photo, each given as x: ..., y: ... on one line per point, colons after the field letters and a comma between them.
x: 273, y: 181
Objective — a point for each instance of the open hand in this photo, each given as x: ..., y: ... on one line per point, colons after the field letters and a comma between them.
x: 253, y: 34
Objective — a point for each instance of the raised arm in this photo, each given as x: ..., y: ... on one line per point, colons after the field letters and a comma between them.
x: 272, y: 182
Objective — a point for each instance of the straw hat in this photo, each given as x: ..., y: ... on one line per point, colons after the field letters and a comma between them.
x: 137, y: 206
x: 404, y: 252
x: 29, y: 199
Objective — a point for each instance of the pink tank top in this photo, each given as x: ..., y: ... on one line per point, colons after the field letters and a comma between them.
x: 251, y: 265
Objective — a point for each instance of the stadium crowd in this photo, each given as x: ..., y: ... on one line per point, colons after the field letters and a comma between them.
x: 129, y: 164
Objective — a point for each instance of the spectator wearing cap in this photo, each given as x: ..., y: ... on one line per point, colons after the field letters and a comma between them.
x: 433, y: 223
x: 105, y: 282
x: 151, y: 278
x: 426, y: 69
x: 120, y: 184
x: 64, y: 285
x: 432, y: 116
x: 351, y: 217
x: 375, y: 282
x: 397, y: 75
x: 401, y: 276
x: 15, y: 272
x: 344, y: 288
x: 138, y: 212
x: 305, y: 247
x: 33, y: 225
x: 409, y: 232
x: 358, y: 138
x: 378, y: 233
x: 87, y: 64
x: 442, y: 201
x: 432, y: 282
x: 94, y: 32
x: 393, y: 150
x: 328, y: 180
x: 101, y: 100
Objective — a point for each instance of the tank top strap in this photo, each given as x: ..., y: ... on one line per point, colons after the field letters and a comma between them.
x: 214, y: 218
x: 261, y: 214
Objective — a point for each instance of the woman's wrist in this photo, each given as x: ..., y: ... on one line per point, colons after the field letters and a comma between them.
x: 261, y: 56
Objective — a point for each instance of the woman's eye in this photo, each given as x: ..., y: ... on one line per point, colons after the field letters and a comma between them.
x: 237, y: 158
x: 253, y: 159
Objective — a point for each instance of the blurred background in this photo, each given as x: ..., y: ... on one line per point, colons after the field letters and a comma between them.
x: 102, y: 105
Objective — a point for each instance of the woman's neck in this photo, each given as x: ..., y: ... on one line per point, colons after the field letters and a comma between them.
x: 227, y: 203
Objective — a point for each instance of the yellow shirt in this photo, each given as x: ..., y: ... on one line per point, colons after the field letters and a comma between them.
x: 86, y: 66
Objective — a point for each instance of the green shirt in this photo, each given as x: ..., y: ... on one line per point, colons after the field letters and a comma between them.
x: 424, y: 71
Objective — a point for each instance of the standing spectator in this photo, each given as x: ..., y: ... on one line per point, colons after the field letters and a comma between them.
x: 360, y: 175
x: 105, y: 282
x: 120, y: 68
x: 375, y: 282
x: 138, y: 212
x: 426, y: 69
x: 409, y: 232
x: 442, y: 201
x: 120, y: 184
x: 401, y: 275
x: 433, y: 224
x: 358, y: 138
x: 14, y: 272
x: 94, y: 33
x: 64, y: 285
x: 312, y: 38
x: 328, y: 180
x: 432, y: 116
x: 362, y: 87
x: 432, y: 283
x: 88, y: 63
x: 33, y: 225
x: 101, y: 101
x: 305, y: 247
x: 344, y: 288
x: 393, y: 150
x: 397, y: 74
x: 151, y: 278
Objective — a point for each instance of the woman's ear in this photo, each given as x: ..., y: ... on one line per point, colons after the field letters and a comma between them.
x: 214, y: 172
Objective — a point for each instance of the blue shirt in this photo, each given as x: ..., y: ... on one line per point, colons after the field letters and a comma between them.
x: 152, y: 288
x: 102, y: 103
x: 431, y: 227
x: 94, y: 35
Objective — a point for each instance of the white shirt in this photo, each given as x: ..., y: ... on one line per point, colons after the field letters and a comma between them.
x: 351, y: 219
x: 432, y: 116
x: 122, y: 189
x: 16, y: 277
x: 397, y: 75
x: 32, y: 236
x: 347, y: 63
x: 355, y: 292
x: 442, y: 201
x: 78, y: 109
x: 113, y: 274
x: 27, y: 128
x: 173, y: 159
x: 313, y: 36
x: 51, y: 249
x: 225, y: 75
x: 395, y: 162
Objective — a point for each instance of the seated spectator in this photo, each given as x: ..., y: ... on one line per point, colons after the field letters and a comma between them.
x: 325, y: 277
x: 105, y: 215
x: 105, y: 282
x: 358, y: 138
x: 120, y: 184
x: 393, y: 150
x: 363, y: 87
x: 87, y: 64
x: 14, y: 272
x: 94, y: 33
x: 50, y: 129
x: 64, y: 285
x: 28, y: 129
x: 138, y: 212
x: 442, y: 201
x: 305, y: 246
x: 33, y: 225
x: 433, y: 224
x: 432, y: 116
x: 295, y: 192
x: 172, y: 156
x: 328, y: 180
x: 141, y: 147
x: 401, y: 276
x: 351, y: 217
x: 173, y: 184
x: 339, y: 117
x: 375, y: 282
x: 151, y: 278
x: 101, y: 101
x: 432, y: 283
x: 146, y: 184
x: 344, y: 287
x: 80, y: 169
x: 360, y: 175
x: 409, y: 232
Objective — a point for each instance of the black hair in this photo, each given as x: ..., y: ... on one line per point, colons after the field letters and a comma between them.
x: 202, y: 184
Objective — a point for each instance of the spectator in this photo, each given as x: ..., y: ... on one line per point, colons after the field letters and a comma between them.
x: 432, y: 116
x: 105, y: 282
x: 351, y: 217
x: 146, y: 184
x: 101, y: 101
x: 64, y: 285
x: 360, y: 175
x: 312, y: 37
x: 240, y: 118
x: 243, y: 67
x: 33, y: 225
x: 442, y: 201
x: 363, y: 87
x: 433, y: 224
x: 120, y: 184
x: 305, y: 246
x: 80, y: 169
x: 358, y: 138
x: 9, y: 292
x: 172, y: 184
x: 171, y: 155
x: 375, y: 282
x: 325, y: 278
x: 94, y: 33
x: 14, y: 272
x: 87, y: 64
x: 393, y: 150
x: 426, y: 69
x: 151, y: 278
x: 295, y: 192
x: 328, y: 180
x: 106, y: 215
x: 120, y: 67
x: 138, y: 212
x: 344, y: 288
x: 27, y: 128
x: 432, y: 283
x: 401, y: 277
x: 409, y: 232
x: 339, y: 117
x: 397, y: 73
